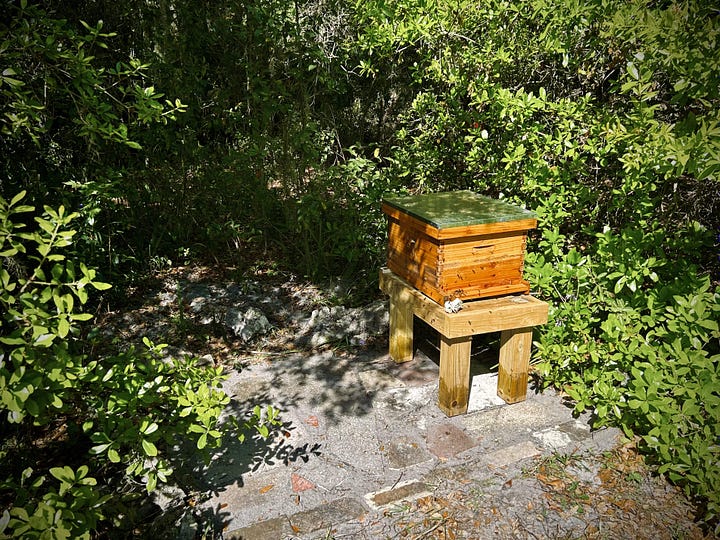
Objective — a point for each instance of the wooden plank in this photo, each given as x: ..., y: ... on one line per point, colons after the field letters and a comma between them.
x: 454, y: 387
x: 401, y: 325
x: 477, y: 317
x: 514, y: 364
x: 492, y: 254
x: 513, y: 262
x: 513, y: 315
x: 482, y: 239
x: 489, y: 228
x: 489, y: 273
x: 476, y: 253
x: 477, y: 282
x: 416, y: 248
x: 488, y: 291
x: 479, y: 266
x: 409, y: 222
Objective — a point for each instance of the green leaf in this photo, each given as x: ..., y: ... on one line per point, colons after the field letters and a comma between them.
x: 32, y: 407
x: 113, y: 455
x: 202, y: 441
x: 45, y: 340
x: 151, y: 428
x: 619, y: 285
x: 17, y: 198
x: 151, y: 481
x: 82, y: 472
x: 4, y: 520
x: 64, y: 474
x: 708, y: 324
x: 99, y: 448
x: 149, y: 448
x: 12, y: 340
x: 63, y: 328
x: 133, y: 468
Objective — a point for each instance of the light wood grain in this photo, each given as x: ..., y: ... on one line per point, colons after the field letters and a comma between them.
x: 514, y: 364
x: 476, y: 317
x: 401, y: 327
x: 454, y: 384
x: 514, y: 316
x: 466, y: 267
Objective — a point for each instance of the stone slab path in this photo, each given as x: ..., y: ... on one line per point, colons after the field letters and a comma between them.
x: 363, y: 437
x: 364, y: 452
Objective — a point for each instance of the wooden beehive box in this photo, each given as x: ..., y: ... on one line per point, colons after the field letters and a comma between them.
x: 458, y: 244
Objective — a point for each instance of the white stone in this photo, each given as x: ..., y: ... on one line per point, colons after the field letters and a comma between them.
x: 246, y: 325
x: 553, y: 438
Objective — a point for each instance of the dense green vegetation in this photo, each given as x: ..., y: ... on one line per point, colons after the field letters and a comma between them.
x: 144, y: 134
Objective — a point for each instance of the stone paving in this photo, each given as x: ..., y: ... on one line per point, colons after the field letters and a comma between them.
x: 362, y: 435
x: 364, y: 451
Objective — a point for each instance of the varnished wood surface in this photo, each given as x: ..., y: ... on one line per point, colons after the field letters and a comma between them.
x: 471, y: 267
x: 476, y: 317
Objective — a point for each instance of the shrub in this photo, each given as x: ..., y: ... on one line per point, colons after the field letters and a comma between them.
x: 601, y: 116
x: 127, y: 410
x: 633, y: 335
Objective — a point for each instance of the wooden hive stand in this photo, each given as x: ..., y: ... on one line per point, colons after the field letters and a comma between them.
x: 513, y: 316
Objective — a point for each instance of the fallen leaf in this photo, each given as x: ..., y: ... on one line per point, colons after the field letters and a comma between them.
x: 266, y: 488
x: 626, y: 504
x: 555, y: 483
x: 312, y: 421
x: 605, y: 475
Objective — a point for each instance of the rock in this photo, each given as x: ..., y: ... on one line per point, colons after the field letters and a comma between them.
x: 248, y: 324
x: 206, y: 360
x: 168, y: 496
x: 187, y: 527
x: 167, y: 298
x: 170, y: 352
x: 339, y: 323
x: 197, y: 304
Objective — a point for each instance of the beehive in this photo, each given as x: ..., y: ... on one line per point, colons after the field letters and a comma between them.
x: 458, y: 244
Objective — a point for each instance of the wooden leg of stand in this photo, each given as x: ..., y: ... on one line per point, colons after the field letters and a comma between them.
x: 454, y: 388
x: 514, y: 364
x: 401, y: 328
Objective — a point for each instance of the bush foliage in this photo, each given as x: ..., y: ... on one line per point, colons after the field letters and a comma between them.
x: 603, y: 118
x: 287, y: 124
x: 127, y: 410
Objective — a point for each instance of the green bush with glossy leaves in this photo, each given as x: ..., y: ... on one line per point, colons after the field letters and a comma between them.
x: 602, y: 117
x: 127, y: 410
